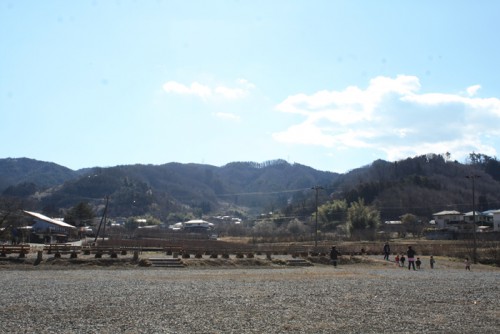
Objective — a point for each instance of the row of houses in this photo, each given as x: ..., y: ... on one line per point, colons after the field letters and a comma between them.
x: 457, y: 221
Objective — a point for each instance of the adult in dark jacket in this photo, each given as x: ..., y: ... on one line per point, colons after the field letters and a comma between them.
x: 411, y: 257
x: 334, y: 255
x: 387, y: 251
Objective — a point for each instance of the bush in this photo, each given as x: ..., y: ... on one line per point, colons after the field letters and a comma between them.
x: 144, y: 263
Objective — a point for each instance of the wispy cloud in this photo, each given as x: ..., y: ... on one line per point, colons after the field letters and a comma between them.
x: 227, y: 116
x: 391, y: 116
x: 195, y: 88
x: 230, y: 93
x: 240, y: 90
x: 472, y: 90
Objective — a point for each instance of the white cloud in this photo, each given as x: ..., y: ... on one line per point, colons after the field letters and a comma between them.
x: 231, y: 93
x: 227, y: 116
x: 194, y: 89
x: 245, y: 83
x: 472, y: 90
x: 201, y: 90
x: 206, y: 92
x: 391, y: 116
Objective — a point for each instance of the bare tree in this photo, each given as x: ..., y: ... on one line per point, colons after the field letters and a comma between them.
x: 9, y: 208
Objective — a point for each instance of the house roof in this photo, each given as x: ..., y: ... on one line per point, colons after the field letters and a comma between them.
x: 492, y: 211
x: 444, y: 213
x: 476, y: 213
x: 39, y: 216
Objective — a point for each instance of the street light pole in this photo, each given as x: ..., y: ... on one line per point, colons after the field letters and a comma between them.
x: 473, y: 177
x: 317, y: 188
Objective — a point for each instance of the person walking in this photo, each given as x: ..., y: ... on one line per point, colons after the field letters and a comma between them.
x: 387, y: 251
x: 334, y: 255
x: 411, y: 257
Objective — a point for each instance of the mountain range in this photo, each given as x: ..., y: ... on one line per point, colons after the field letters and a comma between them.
x: 420, y: 185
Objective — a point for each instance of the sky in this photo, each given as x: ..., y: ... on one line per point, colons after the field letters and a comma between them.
x: 333, y: 85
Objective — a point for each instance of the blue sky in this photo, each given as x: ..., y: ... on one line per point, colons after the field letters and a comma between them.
x: 333, y: 85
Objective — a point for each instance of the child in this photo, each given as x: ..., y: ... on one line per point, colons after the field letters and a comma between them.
x: 418, y: 263
x: 467, y: 264
x: 396, y: 259
x: 432, y: 261
x: 402, y: 260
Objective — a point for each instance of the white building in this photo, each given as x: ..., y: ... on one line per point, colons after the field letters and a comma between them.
x: 449, y: 219
x: 197, y: 225
x: 496, y: 219
x: 49, y: 229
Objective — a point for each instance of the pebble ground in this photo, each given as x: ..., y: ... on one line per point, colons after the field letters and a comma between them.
x: 318, y: 299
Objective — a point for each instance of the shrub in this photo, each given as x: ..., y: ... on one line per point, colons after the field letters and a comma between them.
x: 144, y: 263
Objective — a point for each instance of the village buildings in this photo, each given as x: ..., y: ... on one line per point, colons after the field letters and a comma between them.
x: 462, y: 222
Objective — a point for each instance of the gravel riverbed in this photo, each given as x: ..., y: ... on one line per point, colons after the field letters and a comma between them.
x: 318, y: 299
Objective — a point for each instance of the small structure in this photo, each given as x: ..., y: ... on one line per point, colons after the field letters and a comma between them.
x: 393, y: 227
x: 197, y: 225
x: 50, y: 230
x: 176, y: 227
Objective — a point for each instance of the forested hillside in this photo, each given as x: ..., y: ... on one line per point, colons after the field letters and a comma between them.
x: 421, y: 186
x: 23, y: 173
x: 160, y: 190
x: 424, y: 185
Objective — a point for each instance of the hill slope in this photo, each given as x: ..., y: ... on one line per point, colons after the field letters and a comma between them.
x: 420, y: 185
x: 160, y: 190
x: 14, y: 172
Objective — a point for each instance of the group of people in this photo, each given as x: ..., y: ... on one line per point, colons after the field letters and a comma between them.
x: 413, y: 263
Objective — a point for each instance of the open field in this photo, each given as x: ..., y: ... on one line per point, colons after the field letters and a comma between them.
x: 369, y: 296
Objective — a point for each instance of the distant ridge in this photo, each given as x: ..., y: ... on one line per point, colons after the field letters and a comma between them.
x: 420, y: 185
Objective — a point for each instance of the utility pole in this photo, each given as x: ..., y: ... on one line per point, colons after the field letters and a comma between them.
x: 473, y: 177
x: 317, y: 188
x: 103, y: 219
